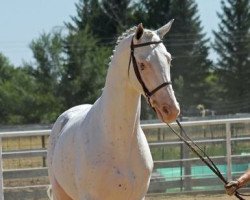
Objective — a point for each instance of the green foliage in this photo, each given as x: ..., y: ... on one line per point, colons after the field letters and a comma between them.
x: 105, y: 19
x: 189, y: 49
x: 232, y: 43
x: 152, y: 13
x: 46, y: 73
x: 70, y: 69
x: 47, y: 51
x: 16, y: 94
x: 188, y: 46
x: 84, y: 70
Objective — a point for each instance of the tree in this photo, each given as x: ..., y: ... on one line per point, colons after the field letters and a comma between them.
x: 6, y: 71
x: 105, y: 19
x: 84, y: 70
x: 152, y: 13
x: 232, y: 43
x: 16, y: 94
x: 71, y: 70
x: 191, y: 65
x: 92, y: 35
x: 188, y: 46
x: 49, y: 59
x: 119, y: 15
x: 47, y: 74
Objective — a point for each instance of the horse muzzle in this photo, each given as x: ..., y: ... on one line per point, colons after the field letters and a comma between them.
x: 167, y: 112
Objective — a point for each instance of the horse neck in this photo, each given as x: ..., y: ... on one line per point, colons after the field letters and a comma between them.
x: 121, y: 101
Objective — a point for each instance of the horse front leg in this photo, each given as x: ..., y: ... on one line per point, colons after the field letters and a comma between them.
x: 58, y: 193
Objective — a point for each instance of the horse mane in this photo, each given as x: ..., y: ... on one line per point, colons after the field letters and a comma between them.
x: 120, y: 38
x: 147, y: 34
x: 126, y: 34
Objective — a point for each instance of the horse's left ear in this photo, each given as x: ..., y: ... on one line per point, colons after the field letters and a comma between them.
x: 139, y: 31
x: 164, y: 29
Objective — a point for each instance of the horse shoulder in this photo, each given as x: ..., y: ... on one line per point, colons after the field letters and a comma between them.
x: 63, y: 144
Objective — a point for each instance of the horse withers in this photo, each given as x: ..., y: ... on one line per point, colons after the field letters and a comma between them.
x: 99, y: 151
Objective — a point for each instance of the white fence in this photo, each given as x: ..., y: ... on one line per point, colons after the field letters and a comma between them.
x: 158, y: 182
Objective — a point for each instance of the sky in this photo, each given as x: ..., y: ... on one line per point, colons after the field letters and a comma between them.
x: 23, y: 21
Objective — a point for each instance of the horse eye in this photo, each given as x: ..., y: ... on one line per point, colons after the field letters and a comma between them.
x: 142, y: 66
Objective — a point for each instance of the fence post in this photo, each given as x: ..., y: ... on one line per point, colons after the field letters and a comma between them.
x: 186, y: 182
x: 229, y: 151
x: 44, y: 146
x: 1, y: 172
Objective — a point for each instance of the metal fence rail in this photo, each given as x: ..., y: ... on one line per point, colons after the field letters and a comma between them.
x: 158, y: 182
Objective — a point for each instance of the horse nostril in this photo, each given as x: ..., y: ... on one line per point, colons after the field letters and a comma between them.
x: 166, y: 110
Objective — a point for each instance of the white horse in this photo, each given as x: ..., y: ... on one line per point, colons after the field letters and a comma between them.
x: 99, y: 151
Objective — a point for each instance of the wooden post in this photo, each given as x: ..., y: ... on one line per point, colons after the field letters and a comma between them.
x: 181, y: 166
x: 43, y: 146
x: 186, y: 183
x: 158, y: 134
x: 229, y: 151
x: 1, y: 172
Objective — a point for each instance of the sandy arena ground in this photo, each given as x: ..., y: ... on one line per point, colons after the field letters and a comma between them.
x: 194, y: 197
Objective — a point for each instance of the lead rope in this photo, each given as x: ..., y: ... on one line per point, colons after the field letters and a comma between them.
x: 191, y: 144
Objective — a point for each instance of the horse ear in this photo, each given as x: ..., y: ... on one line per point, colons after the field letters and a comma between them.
x: 164, y: 29
x: 139, y: 31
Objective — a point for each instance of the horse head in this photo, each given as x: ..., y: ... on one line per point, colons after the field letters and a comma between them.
x: 151, y: 62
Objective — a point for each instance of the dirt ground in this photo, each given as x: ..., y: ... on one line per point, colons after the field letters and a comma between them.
x: 193, y: 197
x: 40, y: 194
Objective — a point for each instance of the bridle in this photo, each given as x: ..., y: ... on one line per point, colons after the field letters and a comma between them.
x: 147, y: 93
x: 185, y: 138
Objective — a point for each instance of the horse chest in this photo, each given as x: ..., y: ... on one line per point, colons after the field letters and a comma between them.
x: 109, y: 180
x: 117, y: 173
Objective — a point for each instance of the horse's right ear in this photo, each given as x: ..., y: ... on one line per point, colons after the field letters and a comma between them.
x: 139, y: 31
x: 164, y: 29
